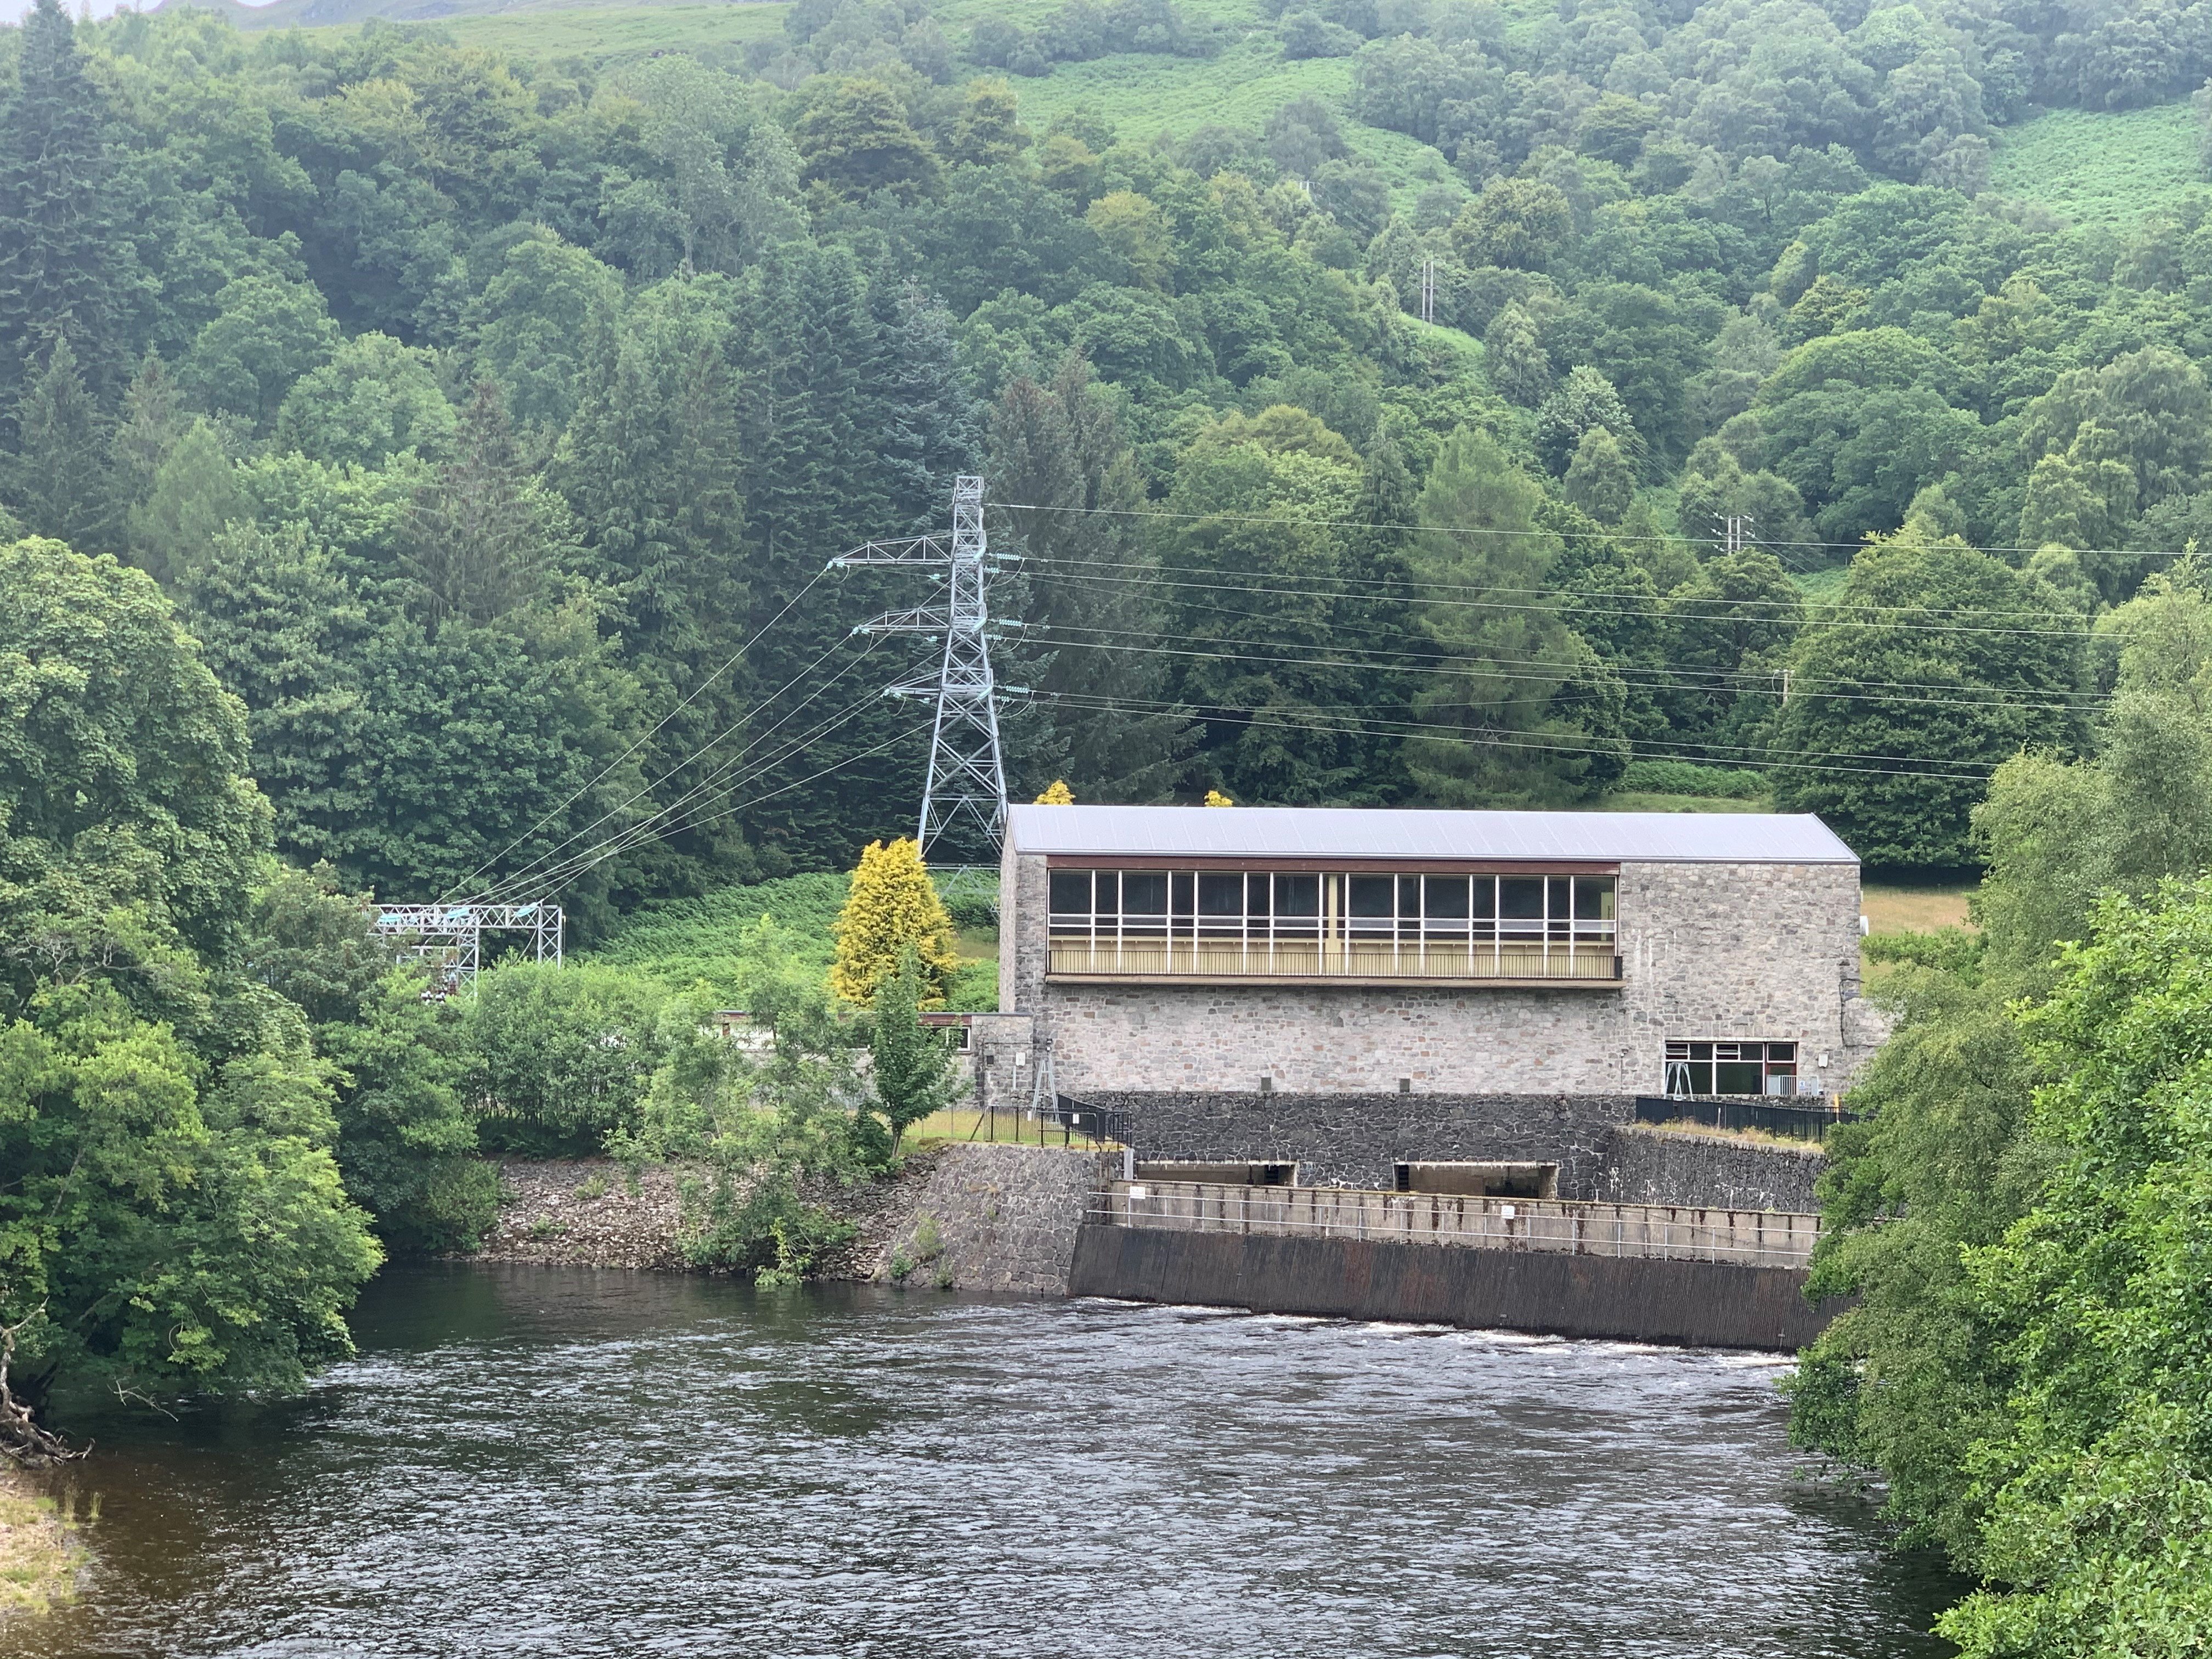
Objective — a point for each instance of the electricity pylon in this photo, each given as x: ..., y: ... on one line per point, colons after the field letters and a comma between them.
x: 967, y: 777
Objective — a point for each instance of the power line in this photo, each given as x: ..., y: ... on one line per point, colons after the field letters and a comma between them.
x: 1084, y: 565
x: 1628, y: 670
x: 888, y: 744
x: 1759, y: 684
x: 728, y: 663
x: 1233, y: 716
x: 668, y: 820
x: 1600, y: 534
x: 528, y: 873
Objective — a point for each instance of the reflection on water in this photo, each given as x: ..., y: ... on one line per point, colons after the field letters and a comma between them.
x: 564, y: 1462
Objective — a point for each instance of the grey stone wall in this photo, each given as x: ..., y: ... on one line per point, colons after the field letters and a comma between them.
x: 1709, y: 950
x: 1003, y: 1218
x: 1647, y: 1165
x: 1356, y: 1140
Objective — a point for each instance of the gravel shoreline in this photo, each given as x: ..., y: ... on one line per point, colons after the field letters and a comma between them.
x: 585, y: 1212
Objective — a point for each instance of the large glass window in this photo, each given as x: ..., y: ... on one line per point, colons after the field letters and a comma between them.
x: 1731, y: 1069
x: 1299, y: 921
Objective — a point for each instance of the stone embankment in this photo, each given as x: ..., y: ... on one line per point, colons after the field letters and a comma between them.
x: 977, y: 1216
x: 1710, y: 1169
x: 994, y: 1218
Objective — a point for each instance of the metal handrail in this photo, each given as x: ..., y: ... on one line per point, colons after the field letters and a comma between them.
x: 1759, y: 1238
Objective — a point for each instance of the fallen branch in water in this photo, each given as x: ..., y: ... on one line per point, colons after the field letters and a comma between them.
x: 22, y: 1439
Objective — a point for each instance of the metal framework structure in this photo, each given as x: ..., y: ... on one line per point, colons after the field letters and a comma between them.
x: 967, y: 779
x: 450, y: 936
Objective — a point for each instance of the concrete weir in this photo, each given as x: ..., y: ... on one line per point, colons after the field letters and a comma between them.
x: 1716, y: 1304
x: 1649, y: 1273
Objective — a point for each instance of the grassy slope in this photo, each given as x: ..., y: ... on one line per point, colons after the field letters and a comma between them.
x: 687, y: 940
x: 2094, y: 167
x: 601, y: 33
x: 1141, y: 94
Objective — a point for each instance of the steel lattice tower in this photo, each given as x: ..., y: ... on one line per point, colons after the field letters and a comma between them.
x: 967, y: 778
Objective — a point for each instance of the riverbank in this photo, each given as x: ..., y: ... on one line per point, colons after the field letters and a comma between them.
x: 969, y: 1216
x: 39, y: 1558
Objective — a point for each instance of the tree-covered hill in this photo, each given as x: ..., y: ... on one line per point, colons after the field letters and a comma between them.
x: 490, y: 417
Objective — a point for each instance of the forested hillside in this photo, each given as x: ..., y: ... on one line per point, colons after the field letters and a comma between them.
x: 491, y: 423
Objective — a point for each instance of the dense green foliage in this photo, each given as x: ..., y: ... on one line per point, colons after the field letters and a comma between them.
x: 171, y: 1214
x: 2100, y: 1489
x: 2017, y: 1218
x: 492, y: 421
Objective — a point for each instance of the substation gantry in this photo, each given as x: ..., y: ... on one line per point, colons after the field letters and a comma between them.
x: 449, y: 938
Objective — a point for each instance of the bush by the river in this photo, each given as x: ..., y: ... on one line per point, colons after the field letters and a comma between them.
x: 557, y: 1059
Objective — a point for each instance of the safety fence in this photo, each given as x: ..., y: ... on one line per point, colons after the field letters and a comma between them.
x: 1759, y: 1238
x: 1809, y: 1122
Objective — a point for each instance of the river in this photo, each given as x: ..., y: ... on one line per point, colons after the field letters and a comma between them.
x: 550, y: 1461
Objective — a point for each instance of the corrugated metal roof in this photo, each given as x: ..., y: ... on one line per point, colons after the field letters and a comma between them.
x: 1344, y: 832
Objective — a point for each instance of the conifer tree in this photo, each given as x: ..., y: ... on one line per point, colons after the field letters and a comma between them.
x: 1376, y: 615
x: 59, y: 480
x: 650, y: 464
x: 1058, y: 452
x: 1529, y: 715
x: 1057, y: 794
x: 152, y: 419
x: 484, y: 534
x: 892, y: 909
x: 61, y: 258
x: 933, y: 423
x: 816, y: 482
x: 196, y: 494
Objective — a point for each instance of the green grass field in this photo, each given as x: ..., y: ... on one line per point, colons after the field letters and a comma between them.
x: 1821, y: 586
x: 2093, y: 167
x: 602, y: 33
x: 1144, y: 95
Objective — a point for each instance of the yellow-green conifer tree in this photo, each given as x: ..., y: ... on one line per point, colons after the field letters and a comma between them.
x: 1057, y: 794
x: 892, y: 904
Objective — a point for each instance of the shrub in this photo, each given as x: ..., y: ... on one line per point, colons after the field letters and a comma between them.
x: 557, y: 1059
x: 1675, y: 777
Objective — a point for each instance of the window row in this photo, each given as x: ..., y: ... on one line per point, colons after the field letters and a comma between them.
x: 1254, y: 904
x: 1731, y: 1069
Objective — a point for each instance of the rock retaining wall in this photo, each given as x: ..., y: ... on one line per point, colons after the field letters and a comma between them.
x: 989, y: 1218
x: 1719, y: 1172
x: 1358, y: 1140
x: 583, y: 1212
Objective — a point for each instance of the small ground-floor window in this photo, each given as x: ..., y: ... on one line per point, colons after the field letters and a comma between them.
x: 1731, y: 1069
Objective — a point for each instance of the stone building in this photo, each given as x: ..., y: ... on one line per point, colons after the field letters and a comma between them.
x: 1351, y: 989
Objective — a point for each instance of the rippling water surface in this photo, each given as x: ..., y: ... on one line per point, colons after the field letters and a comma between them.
x: 559, y: 1461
